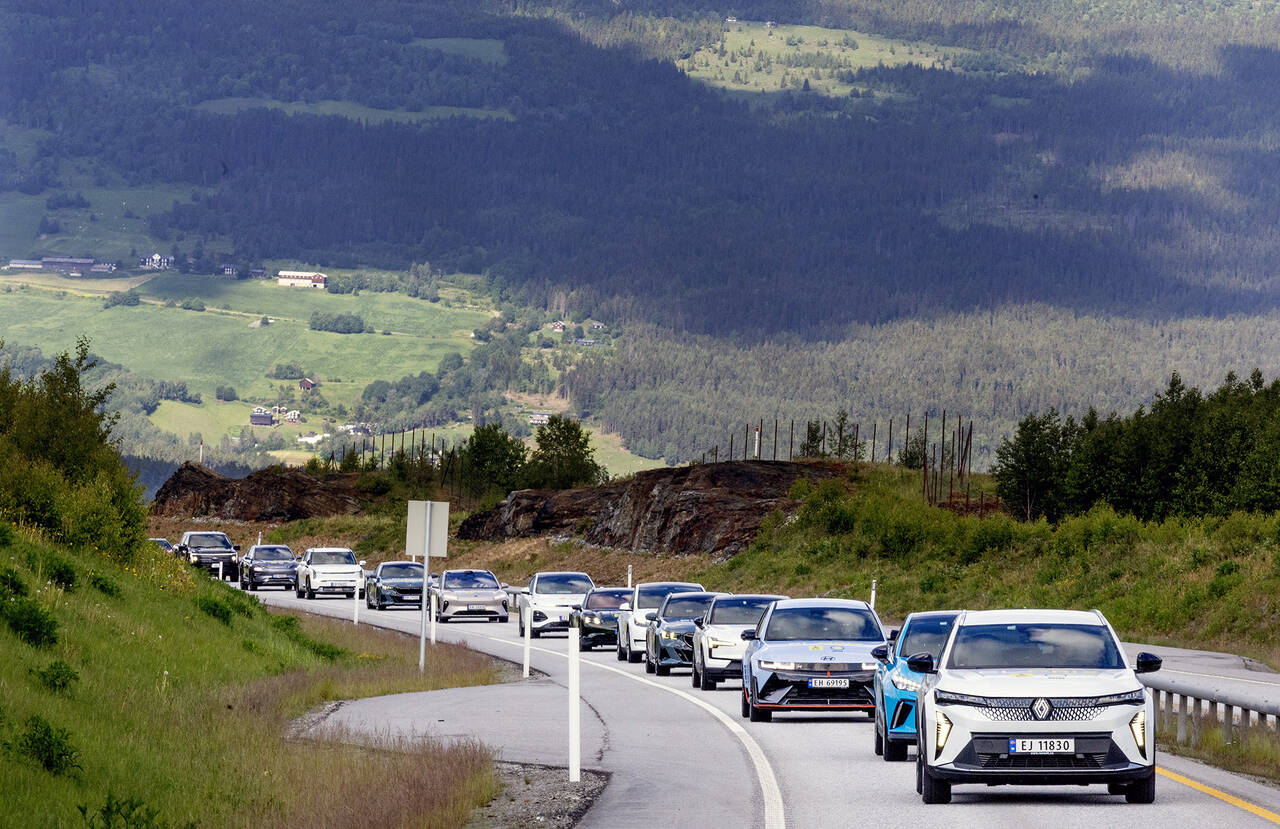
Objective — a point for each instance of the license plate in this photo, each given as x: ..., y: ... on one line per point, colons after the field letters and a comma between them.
x: 1042, y: 745
x: 829, y: 682
x: 477, y: 607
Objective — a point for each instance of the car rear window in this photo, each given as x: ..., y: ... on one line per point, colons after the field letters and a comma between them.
x: 822, y: 624
x: 1034, y: 646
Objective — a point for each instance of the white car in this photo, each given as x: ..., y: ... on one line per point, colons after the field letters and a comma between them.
x: 633, y: 624
x: 717, y: 637
x: 329, y: 570
x: 1034, y: 697
x: 549, y: 599
x: 470, y: 594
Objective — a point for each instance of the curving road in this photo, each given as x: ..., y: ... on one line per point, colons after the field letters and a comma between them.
x: 682, y: 757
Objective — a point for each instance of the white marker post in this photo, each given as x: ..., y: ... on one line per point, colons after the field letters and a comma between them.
x: 873, y: 594
x: 575, y: 723
x: 525, y: 617
x: 433, y: 618
x: 355, y: 602
x: 219, y: 571
x: 422, y: 634
x: 628, y: 575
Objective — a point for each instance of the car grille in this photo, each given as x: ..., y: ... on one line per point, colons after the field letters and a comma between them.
x: 1020, y: 709
x: 1093, y: 751
x: 1092, y: 760
x: 823, y: 667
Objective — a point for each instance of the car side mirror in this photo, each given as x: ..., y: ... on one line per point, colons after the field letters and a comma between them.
x: 503, y: 585
x: 922, y: 663
x: 651, y: 615
x: 880, y: 653
x: 624, y: 606
x: 576, y: 607
x: 749, y: 635
x: 523, y: 591
x: 893, y: 634
x: 700, y: 622
x: 361, y: 563
x: 1147, y: 663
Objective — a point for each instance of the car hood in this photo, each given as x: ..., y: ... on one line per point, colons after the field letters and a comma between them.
x: 484, y: 593
x: 817, y: 651
x: 1037, y: 682
x: 678, y: 625
x: 730, y: 633
x: 400, y: 580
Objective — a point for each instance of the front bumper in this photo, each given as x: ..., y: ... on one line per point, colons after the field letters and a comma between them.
x: 399, y: 595
x: 210, y: 563
x: 473, y: 609
x: 783, y: 690
x: 976, y: 749
x: 265, y: 578
x: 900, y: 715
x: 335, y: 586
x: 674, y: 653
x: 598, y: 635
x: 550, y: 618
x: 722, y: 661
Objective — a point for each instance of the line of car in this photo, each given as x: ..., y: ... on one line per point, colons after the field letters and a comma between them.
x: 1024, y: 697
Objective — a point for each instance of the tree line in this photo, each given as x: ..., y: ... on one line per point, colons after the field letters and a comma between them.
x: 1188, y: 454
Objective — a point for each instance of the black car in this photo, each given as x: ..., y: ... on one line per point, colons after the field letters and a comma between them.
x: 394, y: 582
x: 668, y: 642
x: 210, y: 551
x: 597, y: 617
x: 268, y: 565
x: 162, y: 543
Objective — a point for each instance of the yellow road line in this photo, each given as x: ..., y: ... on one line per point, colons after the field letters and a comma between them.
x: 1223, y: 796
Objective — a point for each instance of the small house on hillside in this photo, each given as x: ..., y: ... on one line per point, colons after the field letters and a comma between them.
x: 557, y: 326
x: 306, y: 384
x: 302, y: 279
x: 261, y: 419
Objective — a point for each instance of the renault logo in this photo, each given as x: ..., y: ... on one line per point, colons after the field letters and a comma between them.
x: 1041, y: 709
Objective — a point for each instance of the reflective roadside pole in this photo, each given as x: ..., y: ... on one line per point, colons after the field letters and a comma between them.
x: 575, y: 722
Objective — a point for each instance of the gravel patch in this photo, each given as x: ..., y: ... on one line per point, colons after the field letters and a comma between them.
x: 538, y: 796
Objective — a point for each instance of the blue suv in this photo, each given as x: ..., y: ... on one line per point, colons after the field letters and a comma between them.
x: 895, y: 685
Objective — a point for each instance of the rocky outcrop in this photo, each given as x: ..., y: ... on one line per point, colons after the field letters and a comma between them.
x: 709, y: 508
x: 276, y: 493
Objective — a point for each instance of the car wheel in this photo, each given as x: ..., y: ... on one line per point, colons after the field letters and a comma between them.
x: 648, y: 665
x: 759, y: 714
x: 297, y: 589
x: 694, y: 679
x: 660, y: 669
x: 633, y: 656
x: 534, y: 633
x: 895, y: 751
x: 503, y: 619
x: 1142, y: 791
x: 311, y: 591
x: 919, y: 770
x: 253, y: 586
x: 879, y: 745
x: 706, y: 683
x: 1117, y: 788
x: 521, y: 628
x: 933, y: 790
x: 746, y: 705
x: 583, y: 644
x: 622, y: 655
x: 350, y: 595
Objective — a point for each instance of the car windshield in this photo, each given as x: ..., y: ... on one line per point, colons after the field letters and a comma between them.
x: 333, y: 557
x: 470, y: 580
x: 652, y: 596
x: 407, y: 570
x: 926, y: 635
x: 273, y: 554
x: 611, y: 600
x: 209, y: 541
x: 735, y: 611
x: 822, y: 623
x: 562, y: 584
x: 1035, y: 646
x: 162, y: 543
x: 686, y: 608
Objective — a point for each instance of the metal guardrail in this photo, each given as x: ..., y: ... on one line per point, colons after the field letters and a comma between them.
x: 1194, y: 701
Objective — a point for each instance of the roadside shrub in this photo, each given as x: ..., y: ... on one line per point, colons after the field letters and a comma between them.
x: 57, y: 676
x: 53, y: 568
x: 31, y: 623
x: 11, y: 584
x: 292, y: 629
x: 214, y: 607
x: 130, y: 812
x: 373, y: 485
x: 48, y: 745
x: 6, y: 535
x: 103, y: 585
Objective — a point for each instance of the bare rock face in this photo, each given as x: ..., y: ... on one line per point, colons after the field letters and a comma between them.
x: 276, y: 493
x: 710, y: 508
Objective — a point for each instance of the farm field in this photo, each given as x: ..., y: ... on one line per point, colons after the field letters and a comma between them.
x: 756, y: 57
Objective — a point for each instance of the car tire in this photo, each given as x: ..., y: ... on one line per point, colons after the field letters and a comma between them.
x: 633, y: 656
x: 919, y: 769
x: 297, y: 589
x: 746, y: 705
x: 648, y: 666
x: 660, y: 669
x: 759, y: 714
x: 622, y: 655
x: 932, y: 790
x: 694, y: 679
x: 583, y: 644
x: 1142, y: 791
x: 534, y: 633
x: 879, y: 744
x: 895, y: 751
x: 1117, y: 788
x: 706, y: 683
x: 503, y: 619
x: 350, y: 595
x: 253, y: 587
x: 311, y: 591
x: 520, y: 629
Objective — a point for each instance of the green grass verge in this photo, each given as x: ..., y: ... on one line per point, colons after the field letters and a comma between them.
x: 176, y: 691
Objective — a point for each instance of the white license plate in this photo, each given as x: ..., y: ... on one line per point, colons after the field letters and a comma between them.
x: 829, y: 682
x: 1042, y: 745
x: 477, y: 607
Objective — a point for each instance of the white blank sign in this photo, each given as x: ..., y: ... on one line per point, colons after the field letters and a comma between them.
x: 416, y: 541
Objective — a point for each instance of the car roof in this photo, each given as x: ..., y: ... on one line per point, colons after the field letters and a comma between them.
x: 405, y: 561
x: 611, y: 590
x: 467, y: 570
x: 931, y: 614
x: 777, y: 597
x: 1030, y: 616
x: 700, y: 594
x: 329, y: 550
x: 558, y: 573
x: 850, y: 603
x: 265, y: 546
x: 694, y: 585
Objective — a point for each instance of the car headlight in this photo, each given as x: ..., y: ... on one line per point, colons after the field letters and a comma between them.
x: 722, y: 643
x: 770, y: 665
x: 949, y: 698
x: 194, y: 558
x: 903, y: 683
x: 943, y: 726
x: 870, y: 666
x: 1138, y: 725
x: 1128, y: 698
x: 670, y: 634
x: 593, y: 618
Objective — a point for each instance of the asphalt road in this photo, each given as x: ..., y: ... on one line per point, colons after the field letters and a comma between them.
x: 682, y: 757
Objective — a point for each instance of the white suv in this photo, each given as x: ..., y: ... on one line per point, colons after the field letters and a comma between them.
x: 329, y: 570
x: 1034, y: 697
x: 550, y: 598
x: 633, y: 624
